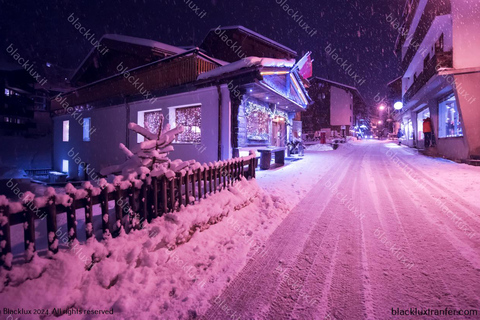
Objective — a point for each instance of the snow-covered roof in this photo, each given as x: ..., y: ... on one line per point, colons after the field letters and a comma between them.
x: 253, y: 33
x: 341, y: 85
x: 246, y: 63
x: 133, y: 40
x: 143, y: 42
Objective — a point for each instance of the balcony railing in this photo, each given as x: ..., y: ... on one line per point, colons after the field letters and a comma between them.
x: 151, y: 78
x: 439, y: 60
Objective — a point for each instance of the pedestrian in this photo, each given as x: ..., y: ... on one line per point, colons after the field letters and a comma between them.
x: 399, y: 136
x: 427, y: 131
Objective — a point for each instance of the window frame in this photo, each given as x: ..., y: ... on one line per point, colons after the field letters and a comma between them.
x: 172, y: 117
x: 66, y: 130
x: 86, y: 131
x: 440, y: 116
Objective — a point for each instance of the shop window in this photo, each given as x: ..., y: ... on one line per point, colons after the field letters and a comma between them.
x: 191, y: 120
x: 66, y: 131
x: 410, y: 129
x: 258, y: 122
x: 449, y: 119
x: 86, y: 129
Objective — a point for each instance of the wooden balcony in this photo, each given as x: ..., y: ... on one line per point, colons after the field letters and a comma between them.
x: 156, y: 76
x: 439, y: 60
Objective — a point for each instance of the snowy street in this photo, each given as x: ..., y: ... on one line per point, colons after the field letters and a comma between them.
x: 345, y: 234
x: 247, y: 160
x: 376, y: 231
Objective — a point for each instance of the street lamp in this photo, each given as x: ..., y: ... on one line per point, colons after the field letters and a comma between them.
x: 381, y: 107
x: 380, y: 122
x: 398, y: 105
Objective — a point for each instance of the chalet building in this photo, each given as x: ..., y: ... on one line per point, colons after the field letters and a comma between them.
x: 336, y: 108
x: 438, y: 46
x: 237, y: 91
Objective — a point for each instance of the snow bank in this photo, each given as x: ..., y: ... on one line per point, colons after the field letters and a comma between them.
x: 144, y: 274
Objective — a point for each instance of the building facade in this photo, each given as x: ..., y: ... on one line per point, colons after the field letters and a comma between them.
x: 337, y: 108
x: 438, y: 44
x: 226, y: 107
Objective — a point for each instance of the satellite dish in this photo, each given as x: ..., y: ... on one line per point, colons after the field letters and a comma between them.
x: 398, y: 105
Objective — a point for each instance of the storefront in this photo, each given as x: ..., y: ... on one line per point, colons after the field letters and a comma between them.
x: 449, y: 119
x: 262, y: 125
x: 421, y: 116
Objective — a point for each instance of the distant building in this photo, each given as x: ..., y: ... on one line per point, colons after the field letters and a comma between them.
x: 438, y: 46
x: 227, y: 104
x: 337, y: 107
x: 25, y: 122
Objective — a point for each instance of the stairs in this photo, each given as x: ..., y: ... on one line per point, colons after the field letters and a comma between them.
x: 474, y: 161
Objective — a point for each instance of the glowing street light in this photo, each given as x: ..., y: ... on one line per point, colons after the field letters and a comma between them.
x: 380, y: 122
x: 398, y: 105
x: 381, y: 107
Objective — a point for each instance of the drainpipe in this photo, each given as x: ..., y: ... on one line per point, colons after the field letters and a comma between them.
x: 219, y: 91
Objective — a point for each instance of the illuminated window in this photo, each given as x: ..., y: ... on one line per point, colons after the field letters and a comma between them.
x: 65, y: 166
x: 449, y: 120
x: 66, y: 130
x: 150, y: 120
x: 86, y: 129
x: 258, y: 123
x: 191, y: 120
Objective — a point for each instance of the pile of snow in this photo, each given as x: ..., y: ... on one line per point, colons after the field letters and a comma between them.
x: 246, y: 63
x: 320, y: 147
x: 143, y: 275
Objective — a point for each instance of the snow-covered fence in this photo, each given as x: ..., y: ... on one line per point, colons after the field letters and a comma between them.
x: 146, y: 199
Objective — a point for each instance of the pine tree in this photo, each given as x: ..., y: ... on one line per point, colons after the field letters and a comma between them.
x: 151, y: 156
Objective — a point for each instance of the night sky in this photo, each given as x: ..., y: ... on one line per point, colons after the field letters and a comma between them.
x: 357, y: 29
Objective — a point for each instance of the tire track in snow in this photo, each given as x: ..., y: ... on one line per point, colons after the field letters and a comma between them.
x: 250, y: 292
x: 447, y: 233
x: 425, y: 256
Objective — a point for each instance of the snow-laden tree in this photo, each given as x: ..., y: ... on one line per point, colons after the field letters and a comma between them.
x: 151, y: 156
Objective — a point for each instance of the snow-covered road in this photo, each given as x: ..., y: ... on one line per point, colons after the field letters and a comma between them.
x: 380, y: 228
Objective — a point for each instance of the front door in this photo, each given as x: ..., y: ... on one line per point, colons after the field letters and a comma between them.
x: 279, y: 132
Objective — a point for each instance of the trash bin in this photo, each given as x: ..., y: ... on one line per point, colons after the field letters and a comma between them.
x: 323, y: 137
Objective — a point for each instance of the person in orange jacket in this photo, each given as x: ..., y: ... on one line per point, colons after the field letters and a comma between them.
x: 427, y: 131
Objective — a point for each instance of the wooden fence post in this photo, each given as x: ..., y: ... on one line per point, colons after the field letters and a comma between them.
x: 118, y: 210
x: 6, y: 247
x: 89, y: 215
x: 163, y: 196
x: 172, y: 195
x: 224, y: 176
x: 52, y: 225
x: 104, y: 207
x: 194, y: 189
x: 210, y: 179
x: 179, y: 179
x: 29, y: 231
x: 72, y: 219
x: 153, y: 196
x: 187, y: 189
x: 205, y: 183
x: 143, y: 202
x: 199, y: 179
x: 215, y: 178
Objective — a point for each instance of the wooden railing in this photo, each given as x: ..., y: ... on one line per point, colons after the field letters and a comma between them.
x: 147, y: 202
x: 153, y: 77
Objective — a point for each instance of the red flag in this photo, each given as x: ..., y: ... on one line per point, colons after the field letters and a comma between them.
x: 306, y: 71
